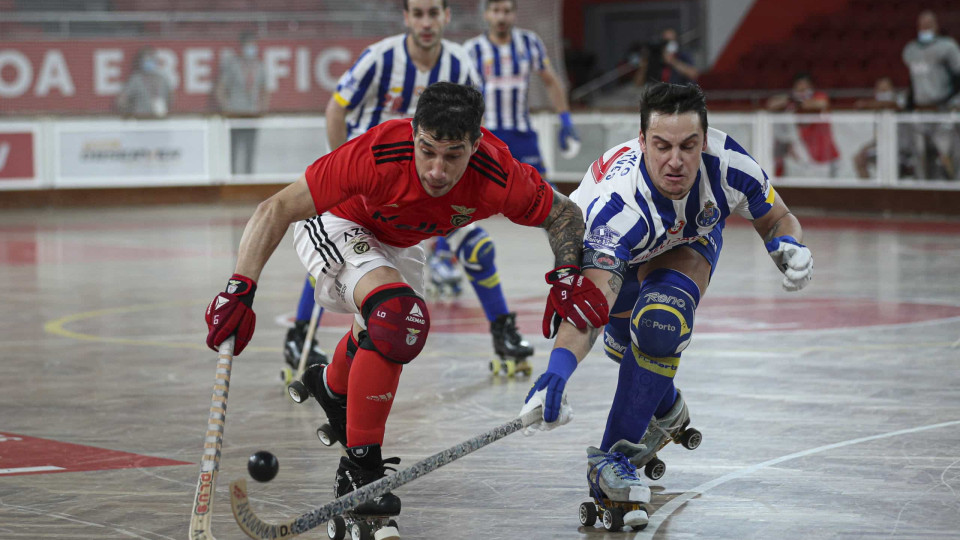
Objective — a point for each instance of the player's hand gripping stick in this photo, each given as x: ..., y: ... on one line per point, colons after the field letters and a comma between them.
x: 231, y: 312
x: 575, y: 298
x: 793, y: 259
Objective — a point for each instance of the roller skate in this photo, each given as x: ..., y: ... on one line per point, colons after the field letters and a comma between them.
x: 292, y: 349
x: 672, y: 427
x: 314, y: 383
x: 510, y: 347
x: 374, y: 519
x: 619, y: 496
x: 445, y: 275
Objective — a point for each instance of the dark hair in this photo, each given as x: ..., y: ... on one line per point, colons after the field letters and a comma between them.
x: 666, y: 98
x: 406, y: 6
x: 489, y: 2
x: 802, y: 75
x: 449, y: 111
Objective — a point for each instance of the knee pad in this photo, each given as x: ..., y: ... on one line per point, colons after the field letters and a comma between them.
x: 616, y: 338
x: 477, y: 255
x: 662, y: 319
x: 397, y: 322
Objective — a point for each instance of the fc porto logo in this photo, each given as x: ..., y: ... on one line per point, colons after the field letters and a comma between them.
x: 463, y: 215
x: 709, y: 216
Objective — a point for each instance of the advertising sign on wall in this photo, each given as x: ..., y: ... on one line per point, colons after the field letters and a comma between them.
x: 16, y: 156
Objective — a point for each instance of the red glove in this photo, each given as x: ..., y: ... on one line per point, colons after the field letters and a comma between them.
x: 574, y: 298
x: 232, y: 312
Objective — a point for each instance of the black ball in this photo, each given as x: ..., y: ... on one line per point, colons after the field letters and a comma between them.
x: 263, y: 466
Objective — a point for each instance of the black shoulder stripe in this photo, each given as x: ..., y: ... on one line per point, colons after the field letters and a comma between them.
x: 495, y: 180
x: 383, y: 153
x: 398, y: 158
x: 391, y: 145
x: 491, y: 164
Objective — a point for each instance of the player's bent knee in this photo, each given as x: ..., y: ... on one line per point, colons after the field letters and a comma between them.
x: 477, y: 253
x: 662, y: 319
x: 397, y: 322
x: 616, y: 338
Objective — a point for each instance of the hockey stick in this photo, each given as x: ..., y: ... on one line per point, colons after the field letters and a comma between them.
x: 213, y: 440
x: 254, y: 527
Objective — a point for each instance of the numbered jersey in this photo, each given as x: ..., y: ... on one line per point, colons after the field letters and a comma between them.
x: 628, y: 218
x: 505, y: 72
x: 384, y: 84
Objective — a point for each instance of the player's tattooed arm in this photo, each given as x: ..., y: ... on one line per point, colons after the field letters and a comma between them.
x: 564, y: 226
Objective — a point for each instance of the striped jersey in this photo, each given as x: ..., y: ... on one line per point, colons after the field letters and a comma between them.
x: 384, y: 84
x: 372, y: 181
x: 628, y: 218
x: 505, y: 73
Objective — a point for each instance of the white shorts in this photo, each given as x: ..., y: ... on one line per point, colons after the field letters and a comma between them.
x: 338, y: 252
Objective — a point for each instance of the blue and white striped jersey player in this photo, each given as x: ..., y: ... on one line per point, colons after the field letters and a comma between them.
x: 385, y: 83
x: 655, y: 208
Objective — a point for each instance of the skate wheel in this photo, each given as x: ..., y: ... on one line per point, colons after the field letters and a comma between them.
x: 298, y: 392
x: 325, y: 434
x: 495, y: 366
x: 691, y: 439
x: 655, y: 469
x: 588, y: 514
x: 613, y: 519
x: 387, y: 533
x: 286, y: 375
x: 524, y: 368
x: 510, y: 366
x: 336, y: 528
x: 361, y: 531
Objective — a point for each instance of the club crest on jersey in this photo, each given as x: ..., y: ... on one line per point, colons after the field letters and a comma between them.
x: 709, y: 216
x: 412, y: 336
x: 463, y: 215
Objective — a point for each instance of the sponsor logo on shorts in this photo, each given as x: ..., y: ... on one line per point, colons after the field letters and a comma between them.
x: 361, y: 247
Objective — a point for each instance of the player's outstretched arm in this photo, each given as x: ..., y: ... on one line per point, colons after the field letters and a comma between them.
x: 231, y: 312
x: 336, y: 116
x: 782, y: 234
x: 564, y: 226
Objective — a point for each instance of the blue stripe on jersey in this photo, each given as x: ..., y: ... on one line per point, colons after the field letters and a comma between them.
x: 353, y: 126
x: 515, y: 93
x: 478, y: 57
x: 497, y: 94
x: 455, y: 71
x: 692, y: 209
x: 649, y: 217
x: 713, y: 174
x: 410, y: 77
x: 541, y: 54
x: 363, y: 86
x: 384, y: 88
x: 668, y: 216
x: 746, y: 184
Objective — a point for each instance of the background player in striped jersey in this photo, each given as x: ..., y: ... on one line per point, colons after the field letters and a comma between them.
x: 655, y: 208
x: 367, y: 206
x: 385, y: 83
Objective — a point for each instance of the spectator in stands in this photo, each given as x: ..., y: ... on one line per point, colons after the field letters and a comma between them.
x: 816, y: 145
x: 663, y: 61
x: 147, y: 92
x: 242, y: 92
x: 934, y: 64
x: 885, y: 98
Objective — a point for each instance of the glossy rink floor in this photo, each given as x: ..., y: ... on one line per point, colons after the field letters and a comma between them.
x: 833, y: 413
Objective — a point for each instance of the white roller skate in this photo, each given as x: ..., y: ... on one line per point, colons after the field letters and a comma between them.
x: 293, y: 348
x: 619, y: 495
x: 445, y: 276
x: 510, y: 347
x: 672, y: 427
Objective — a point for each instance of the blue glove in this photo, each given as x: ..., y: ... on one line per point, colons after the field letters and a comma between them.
x: 548, y: 391
x: 569, y: 140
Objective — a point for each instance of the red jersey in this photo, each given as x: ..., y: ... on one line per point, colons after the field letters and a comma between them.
x: 372, y: 181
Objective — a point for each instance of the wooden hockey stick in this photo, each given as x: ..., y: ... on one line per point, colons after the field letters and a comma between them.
x: 213, y: 440
x: 254, y: 527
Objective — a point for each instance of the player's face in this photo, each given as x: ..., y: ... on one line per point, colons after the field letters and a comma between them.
x: 671, y: 148
x: 441, y: 163
x: 500, y: 17
x: 426, y: 19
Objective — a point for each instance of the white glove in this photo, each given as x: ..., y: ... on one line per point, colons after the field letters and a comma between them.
x: 793, y: 259
x: 538, y: 400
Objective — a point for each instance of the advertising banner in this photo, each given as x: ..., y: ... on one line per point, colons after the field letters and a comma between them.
x: 16, y: 156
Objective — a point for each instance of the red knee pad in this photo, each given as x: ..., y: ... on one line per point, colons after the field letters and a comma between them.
x: 397, y: 322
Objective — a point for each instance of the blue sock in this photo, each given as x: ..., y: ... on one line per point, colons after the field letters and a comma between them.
x: 477, y: 255
x: 669, y: 398
x: 305, y: 308
x: 639, y: 392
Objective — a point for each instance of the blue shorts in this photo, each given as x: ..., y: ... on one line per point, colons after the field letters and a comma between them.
x: 616, y: 335
x: 523, y: 146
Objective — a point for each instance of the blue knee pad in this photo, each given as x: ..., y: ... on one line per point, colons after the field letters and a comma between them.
x: 477, y: 255
x: 616, y: 338
x: 662, y: 319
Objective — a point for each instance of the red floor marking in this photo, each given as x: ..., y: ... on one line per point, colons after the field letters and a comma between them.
x: 21, y: 455
x: 716, y: 314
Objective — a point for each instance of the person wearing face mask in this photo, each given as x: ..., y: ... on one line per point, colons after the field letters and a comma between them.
x: 241, y: 92
x: 934, y: 64
x: 885, y: 98
x: 806, y: 142
x: 664, y: 61
x: 147, y: 92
